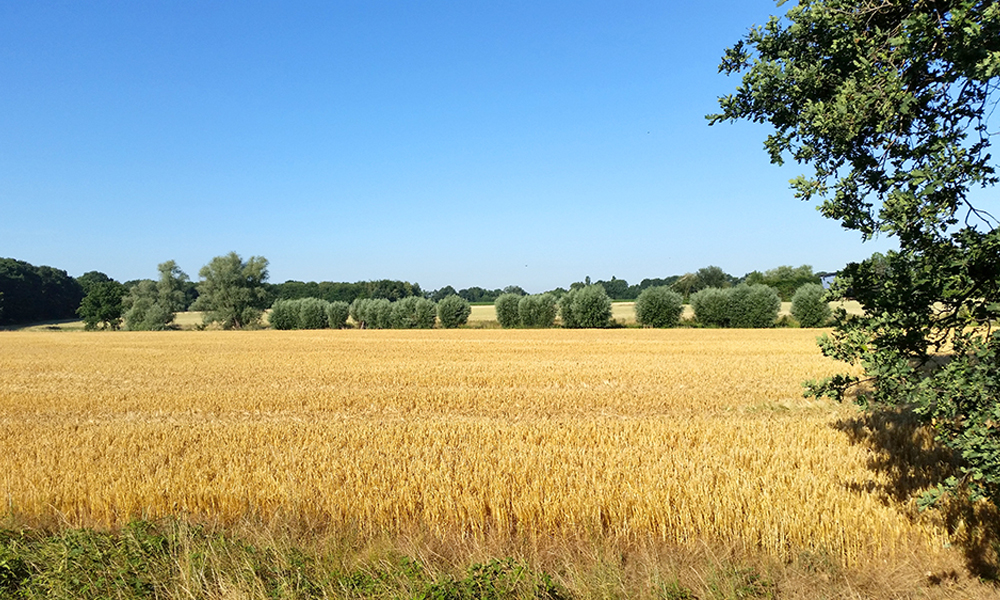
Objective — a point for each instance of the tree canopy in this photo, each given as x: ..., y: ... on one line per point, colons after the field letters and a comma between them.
x: 232, y: 292
x: 889, y: 105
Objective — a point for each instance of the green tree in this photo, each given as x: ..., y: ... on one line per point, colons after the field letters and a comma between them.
x: 232, y: 292
x: 337, y: 313
x: 753, y: 306
x: 587, y: 307
x: 809, y: 306
x: 506, y: 308
x: 711, y: 306
x: 659, y: 307
x: 413, y: 312
x: 151, y: 306
x: 102, y: 307
x: 784, y: 279
x: 284, y: 314
x: 889, y: 103
x: 453, y: 311
x: 537, y: 310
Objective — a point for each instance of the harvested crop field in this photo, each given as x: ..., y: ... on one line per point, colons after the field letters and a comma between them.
x: 685, y: 436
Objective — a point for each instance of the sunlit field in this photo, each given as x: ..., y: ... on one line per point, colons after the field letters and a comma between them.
x: 685, y: 436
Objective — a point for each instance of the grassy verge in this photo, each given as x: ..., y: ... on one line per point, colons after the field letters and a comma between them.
x: 175, y: 559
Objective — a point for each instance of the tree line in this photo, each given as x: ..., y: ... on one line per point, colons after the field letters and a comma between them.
x: 35, y: 294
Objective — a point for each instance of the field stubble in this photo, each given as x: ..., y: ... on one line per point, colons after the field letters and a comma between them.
x: 680, y: 436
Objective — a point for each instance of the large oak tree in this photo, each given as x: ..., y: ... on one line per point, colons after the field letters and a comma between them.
x: 888, y: 102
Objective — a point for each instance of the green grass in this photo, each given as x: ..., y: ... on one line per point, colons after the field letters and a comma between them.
x: 175, y: 560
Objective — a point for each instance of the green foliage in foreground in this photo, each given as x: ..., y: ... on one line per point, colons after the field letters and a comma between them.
x: 175, y: 560
x: 889, y: 106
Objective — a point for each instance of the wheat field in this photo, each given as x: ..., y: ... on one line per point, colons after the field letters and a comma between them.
x: 685, y: 436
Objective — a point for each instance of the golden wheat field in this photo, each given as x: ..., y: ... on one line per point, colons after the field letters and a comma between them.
x: 682, y: 435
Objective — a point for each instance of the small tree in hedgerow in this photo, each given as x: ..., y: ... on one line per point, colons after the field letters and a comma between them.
x: 809, y: 306
x: 586, y: 307
x: 537, y: 310
x: 453, y: 310
x: 312, y: 313
x: 659, y: 307
x: 413, y: 312
x: 711, y: 306
x: 337, y: 313
x: 506, y: 306
x: 284, y: 315
x: 753, y: 306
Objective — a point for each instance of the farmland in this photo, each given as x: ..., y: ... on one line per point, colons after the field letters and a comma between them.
x: 678, y: 437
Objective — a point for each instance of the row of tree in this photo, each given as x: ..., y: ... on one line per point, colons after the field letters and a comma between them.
x: 31, y: 294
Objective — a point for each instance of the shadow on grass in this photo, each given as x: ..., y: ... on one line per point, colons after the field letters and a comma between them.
x: 905, y: 453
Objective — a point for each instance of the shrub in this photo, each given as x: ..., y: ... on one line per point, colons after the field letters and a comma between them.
x: 312, y: 313
x: 453, y: 311
x: 566, y: 310
x: 659, y: 307
x: 507, y: 310
x: 283, y: 315
x: 336, y: 314
x: 371, y: 313
x: 711, y: 306
x: 413, y: 312
x: 358, y: 310
x: 753, y: 306
x: 809, y: 305
x: 537, y: 310
x: 588, y: 307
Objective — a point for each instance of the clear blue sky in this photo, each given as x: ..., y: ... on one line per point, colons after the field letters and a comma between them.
x: 445, y: 143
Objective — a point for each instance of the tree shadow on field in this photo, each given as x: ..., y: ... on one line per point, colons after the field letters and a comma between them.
x: 910, y: 462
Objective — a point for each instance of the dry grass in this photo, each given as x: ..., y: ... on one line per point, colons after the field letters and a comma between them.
x: 683, y: 437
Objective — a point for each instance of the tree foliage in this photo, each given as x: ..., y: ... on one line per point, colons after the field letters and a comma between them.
x: 31, y: 294
x: 507, y: 311
x: 453, y: 310
x: 537, y: 310
x: 711, y: 307
x: 753, y: 306
x: 232, y: 292
x: 102, y: 307
x: 586, y: 307
x: 809, y: 306
x: 889, y: 104
x: 659, y: 307
x: 784, y: 279
x: 151, y: 305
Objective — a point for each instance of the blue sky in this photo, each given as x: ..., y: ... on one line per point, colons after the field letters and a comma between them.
x: 444, y: 143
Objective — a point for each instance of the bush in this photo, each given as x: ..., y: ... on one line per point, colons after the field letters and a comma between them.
x: 753, y: 306
x: 336, y: 314
x: 711, y: 306
x: 537, y: 310
x: 566, y: 310
x: 413, y: 312
x: 588, y: 307
x: 283, y: 315
x: 659, y: 307
x: 312, y: 313
x: 507, y: 310
x: 371, y: 313
x: 453, y: 311
x: 809, y: 305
